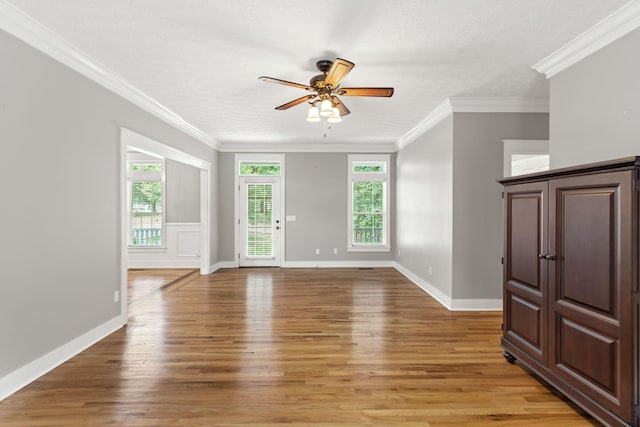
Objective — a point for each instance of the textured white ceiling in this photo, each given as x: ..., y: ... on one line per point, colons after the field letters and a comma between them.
x: 202, y: 58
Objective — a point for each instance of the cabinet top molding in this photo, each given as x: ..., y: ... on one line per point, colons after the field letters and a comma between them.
x: 625, y: 163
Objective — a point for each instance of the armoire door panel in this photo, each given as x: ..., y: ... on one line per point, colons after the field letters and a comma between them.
x: 588, y: 257
x: 590, y: 355
x: 525, y: 323
x: 524, y: 240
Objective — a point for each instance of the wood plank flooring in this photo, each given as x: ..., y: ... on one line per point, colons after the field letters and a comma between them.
x: 142, y: 281
x: 338, y: 347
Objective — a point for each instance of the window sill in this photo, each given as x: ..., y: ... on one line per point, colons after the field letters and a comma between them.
x: 146, y: 249
x: 368, y: 248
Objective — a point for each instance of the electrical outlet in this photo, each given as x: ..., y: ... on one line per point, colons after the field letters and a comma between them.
x: 335, y: 251
x: 116, y: 296
x: 430, y: 271
x: 317, y: 251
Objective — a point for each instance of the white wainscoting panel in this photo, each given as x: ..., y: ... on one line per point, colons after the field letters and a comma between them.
x: 182, y: 249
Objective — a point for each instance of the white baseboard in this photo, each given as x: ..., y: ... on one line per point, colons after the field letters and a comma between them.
x: 337, y: 264
x: 222, y: 264
x: 30, y: 372
x: 163, y: 264
x: 448, y: 302
x: 436, y: 293
x: 476, y: 305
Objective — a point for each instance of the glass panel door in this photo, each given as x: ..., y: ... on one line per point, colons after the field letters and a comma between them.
x: 259, y: 222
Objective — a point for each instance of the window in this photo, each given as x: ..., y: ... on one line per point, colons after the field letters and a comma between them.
x: 259, y: 168
x: 369, y: 203
x: 145, y: 200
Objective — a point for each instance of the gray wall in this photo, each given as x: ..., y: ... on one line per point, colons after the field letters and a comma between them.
x: 424, y: 206
x: 226, y: 223
x: 594, y: 106
x: 214, y: 209
x: 448, y: 210
x: 317, y: 194
x: 477, y: 203
x: 182, y: 192
x: 60, y: 186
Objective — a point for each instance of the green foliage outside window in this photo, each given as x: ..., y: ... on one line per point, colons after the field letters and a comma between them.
x: 260, y: 203
x: 146, y: 167
x: 368, y: 212
x: 368, y: 168
x: 146, y: 213
x: 146, y: 196
x: 260, y: 169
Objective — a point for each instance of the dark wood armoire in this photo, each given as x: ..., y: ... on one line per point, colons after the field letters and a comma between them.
x: 570, y: 278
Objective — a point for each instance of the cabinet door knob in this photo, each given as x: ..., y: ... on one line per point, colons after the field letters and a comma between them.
x: 550, y: 257
x: 542, y: 256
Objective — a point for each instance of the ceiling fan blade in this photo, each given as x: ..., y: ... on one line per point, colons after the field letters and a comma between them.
x: 286, y: 83
x: 366, y: 91
x: 340, y: 106
x: 338, y: 71
x: 295, y: 102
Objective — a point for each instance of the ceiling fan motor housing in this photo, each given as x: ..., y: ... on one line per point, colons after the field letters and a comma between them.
x: 317, y: 81
x: 324, y: 65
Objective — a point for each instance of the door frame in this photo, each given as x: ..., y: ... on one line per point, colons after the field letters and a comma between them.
x: 257, y: 157
x: 144, y: 144
x: 521, y: 146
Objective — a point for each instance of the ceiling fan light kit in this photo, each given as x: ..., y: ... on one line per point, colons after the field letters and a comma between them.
x: 326, y: 108
x: 325, y: 87
x: 335, y: 116
x: 314, y: 115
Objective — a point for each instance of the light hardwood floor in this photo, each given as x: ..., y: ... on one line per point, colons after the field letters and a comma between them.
x: 339, y: 347
x: 142, y: 281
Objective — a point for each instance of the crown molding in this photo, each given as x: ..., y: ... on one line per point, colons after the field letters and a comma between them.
x: 472, y: 105
x: 611, y: 28
x: 438, y: 114
x: 17, y: 23
x: 261, y: 147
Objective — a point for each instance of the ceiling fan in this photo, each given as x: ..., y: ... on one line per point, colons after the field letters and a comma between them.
x: 325, y: 89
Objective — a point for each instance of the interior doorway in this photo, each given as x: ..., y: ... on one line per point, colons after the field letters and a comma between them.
x: 132, y: 141
x: 524, y: 156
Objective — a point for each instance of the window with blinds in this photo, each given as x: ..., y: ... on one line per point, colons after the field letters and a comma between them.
x: 368, y: 203
x: 259, y: 219
x: 145, y: 201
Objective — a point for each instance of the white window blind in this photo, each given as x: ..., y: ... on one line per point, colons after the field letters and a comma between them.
x: 259, y: 220
x: 145, y: 201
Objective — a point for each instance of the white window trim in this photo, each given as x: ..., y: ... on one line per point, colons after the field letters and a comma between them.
x: 373, y: 176
x: 522, y: 146
x: 133, y: 176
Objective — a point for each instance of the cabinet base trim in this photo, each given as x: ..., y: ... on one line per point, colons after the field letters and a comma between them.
x: 593, y: 408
